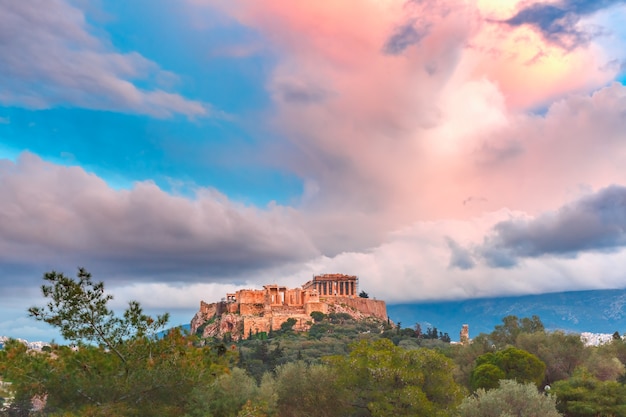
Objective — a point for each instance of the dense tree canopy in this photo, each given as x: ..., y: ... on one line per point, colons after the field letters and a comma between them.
x: 583, y: 395
x: 510, y: 363
x: 386, y: 380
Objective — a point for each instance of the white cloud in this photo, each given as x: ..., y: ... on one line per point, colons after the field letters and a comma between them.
x: 52, y: 58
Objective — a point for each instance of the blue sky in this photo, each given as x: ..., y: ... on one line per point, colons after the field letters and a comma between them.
x: 182, y: 150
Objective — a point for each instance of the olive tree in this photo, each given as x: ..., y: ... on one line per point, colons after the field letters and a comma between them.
x: 510, y: 398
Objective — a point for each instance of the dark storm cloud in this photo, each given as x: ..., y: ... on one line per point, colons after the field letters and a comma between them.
x: 593, y: 223
x: 459, y: 256
x: 403, y: 37
x: 54, y: 217
x: 558, y: 21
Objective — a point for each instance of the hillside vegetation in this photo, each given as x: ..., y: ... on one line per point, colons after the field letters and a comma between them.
x: 341, y: 367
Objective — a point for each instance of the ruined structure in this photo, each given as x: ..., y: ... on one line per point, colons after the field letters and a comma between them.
x: 254, y: 311
x: 464, y: 335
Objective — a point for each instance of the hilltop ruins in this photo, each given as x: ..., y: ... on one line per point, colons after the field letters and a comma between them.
x: 254, y: 311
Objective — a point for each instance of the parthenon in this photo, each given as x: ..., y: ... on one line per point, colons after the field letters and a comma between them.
x: 329, y: 285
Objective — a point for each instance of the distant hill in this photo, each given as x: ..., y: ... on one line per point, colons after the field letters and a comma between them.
x: 599, y: 311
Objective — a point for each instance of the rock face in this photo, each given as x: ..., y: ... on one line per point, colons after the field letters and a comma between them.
x: 248, y: 312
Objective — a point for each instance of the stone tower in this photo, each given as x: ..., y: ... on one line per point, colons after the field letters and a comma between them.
x: 464, y: 336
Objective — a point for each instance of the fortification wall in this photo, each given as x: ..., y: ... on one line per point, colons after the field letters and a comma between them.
x: 315, y: 306
x: 366, y: 306
x: 303, y: 322
x: 255, y: 324
x: 251, y: 309
x: 251, y: 296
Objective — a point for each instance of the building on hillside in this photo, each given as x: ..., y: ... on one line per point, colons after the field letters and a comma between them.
x: 251, y: 311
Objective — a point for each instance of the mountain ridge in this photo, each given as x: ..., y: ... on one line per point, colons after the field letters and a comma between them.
x: 596, y: 311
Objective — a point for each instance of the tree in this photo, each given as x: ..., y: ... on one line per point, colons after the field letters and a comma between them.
x: 603, y: 365
x: 418, y: 330
x: 486, y: 376
x: 506, y: 333
x: 78, y: 308
x: 510, y: 398
x: 465, y: 357
x: 309, y: 390
x: 119, y: 368
x: 287, y: 326
x: 225, y: 396
x: 583, y: 395
x: 513, y: 363
x: 562, y: 353
x: 363, y: 294
x: 318, y: 316
x: 385, y: 380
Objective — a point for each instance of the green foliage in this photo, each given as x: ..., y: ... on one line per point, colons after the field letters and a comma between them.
x: 78, y: 308
x: 514, y: 363
x: 121, y: 371
x: 342, y: 367
x: 309, y: 390
x: 385, y: 380
x: 583, y: 395
x: 486, y: 376
x: 288, y: 325
x: 340, y: 318
x: 510, y: 398
x: 225, y: 396
x: 603, y: 365
x: 506, y: 333
x: 562, y: 353
x: 465, y: 357
x: 318, y: 316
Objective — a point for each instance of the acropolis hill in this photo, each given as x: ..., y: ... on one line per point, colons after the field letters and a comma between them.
x: 254, y: 311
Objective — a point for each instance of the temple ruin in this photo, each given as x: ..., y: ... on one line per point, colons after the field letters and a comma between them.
x: 253, y: 311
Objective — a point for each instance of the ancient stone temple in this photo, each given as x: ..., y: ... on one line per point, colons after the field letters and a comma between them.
x: 251, y: 311
x: 333, y: 285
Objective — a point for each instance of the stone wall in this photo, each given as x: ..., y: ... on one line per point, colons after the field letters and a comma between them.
x: 251, y: 309
x: 315, y: 306
x: 367, y: 306
x: 251, y: 297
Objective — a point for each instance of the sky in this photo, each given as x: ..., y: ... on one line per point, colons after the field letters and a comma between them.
x: 437, y: 149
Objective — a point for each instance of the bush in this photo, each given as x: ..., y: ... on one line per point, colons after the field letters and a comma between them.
x: 509, y: 399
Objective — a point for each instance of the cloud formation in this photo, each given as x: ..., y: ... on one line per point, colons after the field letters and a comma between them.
x: 593, y: 223
x: 51, y: 58
x: 559, y: 22
x: 404, y: 36
x: 436, y: 146
x: 55, y: 217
